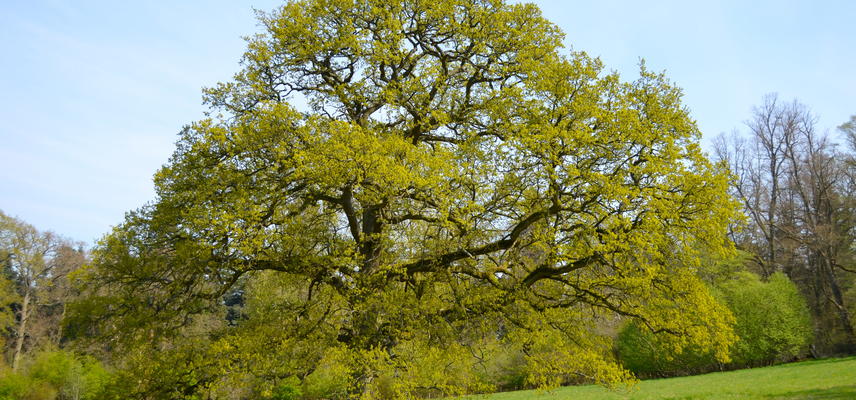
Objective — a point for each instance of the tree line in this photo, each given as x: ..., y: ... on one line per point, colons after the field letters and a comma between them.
x: 797, y: 185
x: 36, y: 288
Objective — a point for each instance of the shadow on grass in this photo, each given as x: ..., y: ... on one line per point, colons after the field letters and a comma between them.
x: 838, y: 392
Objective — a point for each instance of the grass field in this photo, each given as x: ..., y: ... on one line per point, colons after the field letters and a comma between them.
x: 819, y: 379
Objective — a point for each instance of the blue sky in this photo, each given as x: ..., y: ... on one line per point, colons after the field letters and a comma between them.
x: 92, y: 93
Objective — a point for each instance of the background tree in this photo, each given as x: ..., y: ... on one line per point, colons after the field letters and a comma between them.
x: 846, y: 232
x: 759, y: 164
x: 796, y: 189
x: 29, y: 260
x: 37, y: 264
x: 34, y: 291
x: 455, y: 178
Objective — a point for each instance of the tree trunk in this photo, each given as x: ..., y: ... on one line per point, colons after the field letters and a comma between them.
x: 22, y: 331
x: 771, y: 215
x: 371, y: 246
x: 59, y: 331
x: 843, y: 314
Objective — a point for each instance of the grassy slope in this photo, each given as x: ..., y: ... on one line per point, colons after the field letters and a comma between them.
x: 820, y: 379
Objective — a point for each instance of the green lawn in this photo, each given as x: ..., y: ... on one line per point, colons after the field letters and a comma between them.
x: 820, y: 379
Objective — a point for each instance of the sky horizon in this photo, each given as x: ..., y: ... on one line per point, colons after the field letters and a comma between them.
x: 92, y: 96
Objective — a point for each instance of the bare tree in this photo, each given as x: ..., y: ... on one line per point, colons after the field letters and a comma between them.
x: 824, y: 217
x: 759, y: 165
x: 793, y: 183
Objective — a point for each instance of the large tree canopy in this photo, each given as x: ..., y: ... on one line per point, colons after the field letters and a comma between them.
x: 452, y: 174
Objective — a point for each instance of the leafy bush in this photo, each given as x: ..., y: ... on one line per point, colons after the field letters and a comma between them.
x: 54, y: 375
x: 13, y: 386
x: 288, y: 390
x: 329, y: 380
x: 73, y: 376
x: 772, y: 321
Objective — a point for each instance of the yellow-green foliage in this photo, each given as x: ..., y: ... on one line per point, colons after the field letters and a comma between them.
x: 772, y: 323
x: 458, y: 185
x: 55, y: 375
x: 773, y: 320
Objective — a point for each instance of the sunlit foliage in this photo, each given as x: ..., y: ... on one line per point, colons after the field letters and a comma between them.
x: 457, y: 186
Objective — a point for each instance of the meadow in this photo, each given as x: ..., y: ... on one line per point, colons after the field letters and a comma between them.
x: 818, y: 379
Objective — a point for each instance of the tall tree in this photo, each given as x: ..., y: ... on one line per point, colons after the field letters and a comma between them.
x: 759, y: 164
x: 826, y: 218
x: 453, y: 170
x: 794, y: 185
x: 29, y: 252
x: 37, y: 264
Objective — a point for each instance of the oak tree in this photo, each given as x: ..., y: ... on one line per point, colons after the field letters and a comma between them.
x: 454, y: 178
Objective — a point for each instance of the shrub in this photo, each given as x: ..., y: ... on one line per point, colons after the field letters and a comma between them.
x: 54, y: 374
x: 73, y: 376
x: 773, y: 320
x: 288, y: 390
x: 13, y: 386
